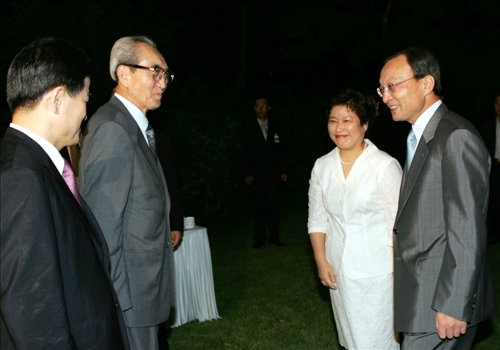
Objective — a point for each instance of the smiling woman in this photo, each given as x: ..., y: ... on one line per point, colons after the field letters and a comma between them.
x: 353, y: 198
x: 350, y: 115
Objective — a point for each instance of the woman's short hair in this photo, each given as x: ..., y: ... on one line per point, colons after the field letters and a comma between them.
x: 361, y: 104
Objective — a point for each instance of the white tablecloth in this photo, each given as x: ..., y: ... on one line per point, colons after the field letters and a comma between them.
x: 194, y: 281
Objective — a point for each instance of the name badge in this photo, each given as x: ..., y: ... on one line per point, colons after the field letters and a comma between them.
x: 276, y: 138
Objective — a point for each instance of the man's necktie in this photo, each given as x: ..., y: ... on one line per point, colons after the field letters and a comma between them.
x: 264, y: 131
x: 70, y: 179
x: 150, y: 133
x: 411, y: 146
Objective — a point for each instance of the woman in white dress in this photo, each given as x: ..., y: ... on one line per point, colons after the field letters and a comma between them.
x: 353, y: 198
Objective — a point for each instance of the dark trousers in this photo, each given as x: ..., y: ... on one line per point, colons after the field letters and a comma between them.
x: 494, y: 203
x: 265, y: 201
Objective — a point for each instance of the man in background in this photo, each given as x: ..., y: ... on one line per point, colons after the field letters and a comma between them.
x: 56, y: 291
x: 265, y: 168
x: 490, y: 130
x: 442, y: 282
x: 122, y: 180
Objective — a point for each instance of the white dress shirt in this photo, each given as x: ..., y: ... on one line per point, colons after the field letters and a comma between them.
x: 137, y: 114
x: 423, y: 120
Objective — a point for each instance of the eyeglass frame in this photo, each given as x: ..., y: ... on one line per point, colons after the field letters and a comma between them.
x: 391, y: 87
x: 153, y: 69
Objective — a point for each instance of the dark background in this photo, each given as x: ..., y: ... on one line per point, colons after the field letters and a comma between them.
x: 300, y: 53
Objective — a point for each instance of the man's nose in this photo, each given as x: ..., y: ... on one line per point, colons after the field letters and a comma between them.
x: 162, y: 82
x: 386, y: 95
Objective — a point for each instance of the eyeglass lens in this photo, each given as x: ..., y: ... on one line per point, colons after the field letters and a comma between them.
x: 159, y: 73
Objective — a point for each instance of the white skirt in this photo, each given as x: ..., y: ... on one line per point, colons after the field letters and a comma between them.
x: 364, y: 312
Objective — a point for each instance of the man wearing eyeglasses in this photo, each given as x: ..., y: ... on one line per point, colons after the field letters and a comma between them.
x: 442, y: 283
x: 122, y: 180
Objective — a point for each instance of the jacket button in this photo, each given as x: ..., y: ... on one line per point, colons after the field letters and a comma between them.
x: 395, y: 231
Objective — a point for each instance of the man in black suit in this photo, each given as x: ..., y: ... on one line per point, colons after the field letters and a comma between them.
x: 490, y: 131
x: 265, y: 168
x: 55, y: 286
x: 166, y: 155
x: 168, y: 161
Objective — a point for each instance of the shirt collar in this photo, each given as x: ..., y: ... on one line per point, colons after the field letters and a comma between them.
x: 261, y: 123
x: 136, y: 113
x: 48, y: 147
x: 423, y: 120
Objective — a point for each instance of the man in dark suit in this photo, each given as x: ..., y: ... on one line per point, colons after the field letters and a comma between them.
x: 265, y: 168
x: 442, y: 283
x: 168, y: 161
x: 490, y: 130
x: 122, y: 180
x: 55, y: 288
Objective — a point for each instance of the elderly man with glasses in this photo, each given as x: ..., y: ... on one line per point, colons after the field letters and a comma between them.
x: 442, y: 283
x: 123, y: 182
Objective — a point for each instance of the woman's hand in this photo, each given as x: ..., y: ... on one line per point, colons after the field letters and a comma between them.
x: 325, y: 270
x: 326, y: 274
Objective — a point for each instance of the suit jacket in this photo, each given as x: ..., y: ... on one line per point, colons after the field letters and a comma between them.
x: 125, y: 187
x: 356, y: 213
x: 168, y: 161
x: 440, y: 261
x: 264, y: 160
x: 55, y: 290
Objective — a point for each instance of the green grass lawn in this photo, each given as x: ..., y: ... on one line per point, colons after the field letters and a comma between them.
x: 271, y: 298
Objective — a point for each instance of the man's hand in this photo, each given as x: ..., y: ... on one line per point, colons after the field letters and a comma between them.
x: 249, y: 180
x: 176, y: 238
x: 449, y: 327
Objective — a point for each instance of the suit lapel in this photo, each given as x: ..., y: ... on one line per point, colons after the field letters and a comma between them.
x: 419, y: 158
x: 336, y: 167
x: 45, y: 161
x: 138, y: 136
x: 151, y: 160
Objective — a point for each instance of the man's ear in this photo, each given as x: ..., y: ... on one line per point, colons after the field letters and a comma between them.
x: 123, y: 75
x: 53, y: 99
x: 429, y: 83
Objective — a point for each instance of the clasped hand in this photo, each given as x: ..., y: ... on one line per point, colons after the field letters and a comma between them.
x: 449, y: 327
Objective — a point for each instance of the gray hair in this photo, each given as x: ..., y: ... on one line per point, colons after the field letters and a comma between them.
x: 124, y: 51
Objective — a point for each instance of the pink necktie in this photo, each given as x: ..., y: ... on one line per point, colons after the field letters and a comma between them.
x: 70, y: 179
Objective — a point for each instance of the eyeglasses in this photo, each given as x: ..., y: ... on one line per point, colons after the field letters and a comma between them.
x: 390, y: 87
x: 158, y: 72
